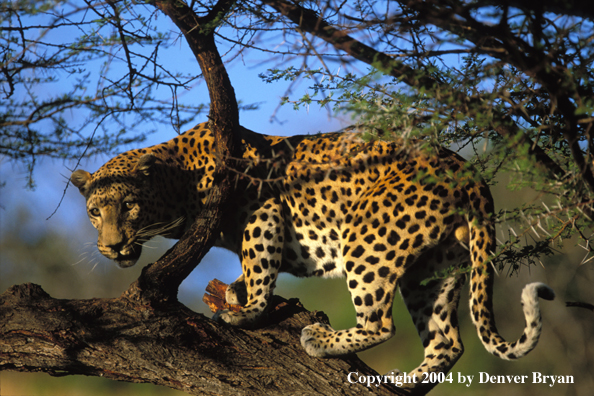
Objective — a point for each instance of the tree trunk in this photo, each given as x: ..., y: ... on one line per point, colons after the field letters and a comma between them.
x: 167, y: 344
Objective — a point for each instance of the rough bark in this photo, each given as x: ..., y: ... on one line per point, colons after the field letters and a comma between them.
x: 128, y: 339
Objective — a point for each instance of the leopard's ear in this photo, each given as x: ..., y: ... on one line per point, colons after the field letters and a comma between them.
x: 145, y: 164
x: 81, y: 179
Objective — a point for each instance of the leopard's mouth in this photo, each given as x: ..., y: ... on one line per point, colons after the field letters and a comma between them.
x: 126, y: 261
x: 128, y: 256
x: 125, y: 257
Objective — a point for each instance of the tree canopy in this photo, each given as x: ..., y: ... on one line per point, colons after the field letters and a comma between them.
x: 510, y: 81
x: 80, y: 78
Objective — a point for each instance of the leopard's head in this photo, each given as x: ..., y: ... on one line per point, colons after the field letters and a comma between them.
x: 129, y: 201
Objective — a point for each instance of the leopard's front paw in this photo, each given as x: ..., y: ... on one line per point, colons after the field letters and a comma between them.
x: 243, y: 318
x: 316, y: 338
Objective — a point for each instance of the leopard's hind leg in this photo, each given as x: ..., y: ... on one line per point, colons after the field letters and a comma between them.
x: 433, y: 307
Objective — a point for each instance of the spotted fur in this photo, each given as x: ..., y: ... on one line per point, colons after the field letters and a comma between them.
x: 380, y: 214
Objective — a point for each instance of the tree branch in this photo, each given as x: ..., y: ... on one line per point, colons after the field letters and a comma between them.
x: 127, y: 340
x: 199, y: 33
x: 563, y: 7
x: 310, y: 22
x: 307, y: 20
x: 528, y: 58
x: 160, y: 282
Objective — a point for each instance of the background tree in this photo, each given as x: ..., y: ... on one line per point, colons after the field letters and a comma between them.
x: 511, y: 80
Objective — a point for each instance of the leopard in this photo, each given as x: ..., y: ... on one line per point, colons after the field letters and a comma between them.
x: 387, y: 215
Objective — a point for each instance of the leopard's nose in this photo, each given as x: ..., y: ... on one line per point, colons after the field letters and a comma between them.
x: 116, y: 247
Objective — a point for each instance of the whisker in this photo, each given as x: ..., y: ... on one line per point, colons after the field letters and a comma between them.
x: 86, y: 252
x: 79, y: 261
x: 170, y: 225
x: 143, y: 229
x: 150, y: 231
x: 94, y: 266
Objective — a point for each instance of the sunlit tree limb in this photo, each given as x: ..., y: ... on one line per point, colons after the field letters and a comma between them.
x: 167, y: 344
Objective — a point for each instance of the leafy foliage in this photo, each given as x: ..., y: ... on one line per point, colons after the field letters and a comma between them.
x: 509, y: 84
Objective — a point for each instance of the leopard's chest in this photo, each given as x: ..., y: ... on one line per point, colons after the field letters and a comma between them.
x: 312, y: 246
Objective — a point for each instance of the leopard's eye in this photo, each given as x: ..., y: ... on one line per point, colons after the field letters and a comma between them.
x: 129, y: 205
x: 95, y: 212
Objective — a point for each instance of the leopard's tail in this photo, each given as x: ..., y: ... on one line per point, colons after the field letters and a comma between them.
x: 481, y: 244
